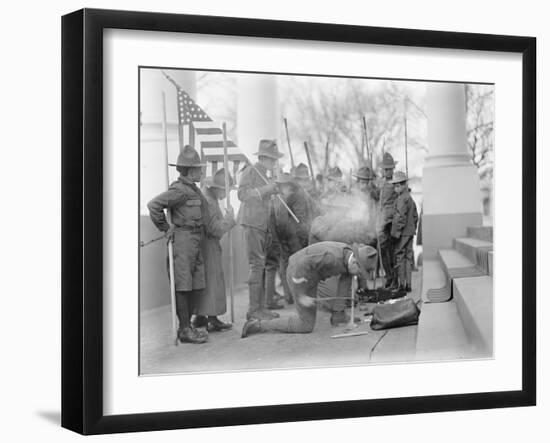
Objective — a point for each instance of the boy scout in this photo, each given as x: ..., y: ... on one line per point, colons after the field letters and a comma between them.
x: 386, y: 196
x: 403, y: 230
x: 213, y: 302
x: 306, y: 269
x: 189, y: 215
x: 254, y: 216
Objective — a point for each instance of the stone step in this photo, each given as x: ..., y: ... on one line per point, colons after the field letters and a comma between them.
x: 475, y: 250
x: 453, y: 265
x: 435, y: 287
x: 474, y: 301
x: 456, y: 265
x: 440, y: 333
x: 481, y: 233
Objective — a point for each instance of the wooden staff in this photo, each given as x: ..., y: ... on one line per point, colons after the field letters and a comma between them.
x: 289, y: 147
x: 229, y: 239
x: 310, y: 165
x: 169, y: 220
x: 406, y: 147
x: 369, y: 154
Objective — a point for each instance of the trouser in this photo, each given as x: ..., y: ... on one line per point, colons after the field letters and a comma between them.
x: 306, y: 313
x: 304, y: 320
x: 184, y: 308
x: 387, y: 251
x: 404, y: 259
x: 273, y: 256
x: 257, y: 242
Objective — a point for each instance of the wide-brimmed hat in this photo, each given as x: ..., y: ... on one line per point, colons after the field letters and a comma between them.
x: 399, y: 177
x: 189, y: 157
x: 218, y: 180
x: 387, y: 161
x: 365, y: 255
x: 334, y: 173
x: 301, y: 172
x: 364, y: 173
x: 285, y: 178
x: 268, y: 148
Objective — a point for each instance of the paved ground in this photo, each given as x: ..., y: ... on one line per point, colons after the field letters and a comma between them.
x: 226, y: 351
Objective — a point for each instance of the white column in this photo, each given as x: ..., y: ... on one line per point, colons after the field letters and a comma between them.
x: 258, y: 115
x: 452, y: 196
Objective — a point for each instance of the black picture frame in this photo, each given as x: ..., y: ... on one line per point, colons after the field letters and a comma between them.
x: 82, y: 220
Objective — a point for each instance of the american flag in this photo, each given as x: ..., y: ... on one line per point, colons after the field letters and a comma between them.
x: 197, y: 129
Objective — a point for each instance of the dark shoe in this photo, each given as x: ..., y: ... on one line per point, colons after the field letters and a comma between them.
x: 216, y: 325
x: 188, y: 335
x: 274, y: 305
x: 252, y: 326
x: 199, y: 321
x: 261, y: 315
x: 408, y: 288
x: 202, y: 332
x: 341, y: 318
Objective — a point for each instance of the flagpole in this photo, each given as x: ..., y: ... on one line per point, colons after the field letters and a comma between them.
x: 229, y: 237
x: 169, y: 219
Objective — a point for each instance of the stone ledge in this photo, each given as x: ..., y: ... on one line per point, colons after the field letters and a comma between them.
x: 474, y: 301
x: 440, y: 334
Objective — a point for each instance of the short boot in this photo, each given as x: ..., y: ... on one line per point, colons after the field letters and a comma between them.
x: 252, y: 326
x: 216, y: 325
x: 188, y: 335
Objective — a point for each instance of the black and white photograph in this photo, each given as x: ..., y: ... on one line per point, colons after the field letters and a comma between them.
x: 303, y: 221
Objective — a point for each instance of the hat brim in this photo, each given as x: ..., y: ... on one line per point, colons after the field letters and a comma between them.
x: 197, y: 165
x: 362, y: 177
x: 395, y: 182
x: 273, y: 156
x: 213, y: 185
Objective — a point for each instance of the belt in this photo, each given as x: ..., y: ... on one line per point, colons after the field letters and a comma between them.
x: 190, y: 228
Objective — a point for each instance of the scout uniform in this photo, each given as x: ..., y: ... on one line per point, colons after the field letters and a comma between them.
x: 254, y: 216
x: 306, y: 269
x: 403, y: 229
x: 213, y: 302
x: 189, y: 216
x: 301, y: 175
x: 386, y: 197
x: 292, y: 236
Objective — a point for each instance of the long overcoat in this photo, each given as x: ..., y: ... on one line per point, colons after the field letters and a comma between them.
x: 213, y: 301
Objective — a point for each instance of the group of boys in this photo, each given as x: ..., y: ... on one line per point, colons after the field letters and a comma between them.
x: 276, y: 212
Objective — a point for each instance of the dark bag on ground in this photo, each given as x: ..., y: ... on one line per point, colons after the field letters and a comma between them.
x: 401, y: 313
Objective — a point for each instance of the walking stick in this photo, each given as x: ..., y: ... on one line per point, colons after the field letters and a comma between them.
x: 289, y: 147
x: 310, y: 165
x: 169, y: 219
x: 229, y: 239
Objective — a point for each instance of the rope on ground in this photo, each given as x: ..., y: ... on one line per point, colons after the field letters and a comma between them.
x: 376, y: 344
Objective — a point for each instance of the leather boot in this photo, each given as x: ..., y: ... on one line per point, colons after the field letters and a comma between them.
x: 252, y: 326
x: 254, y: 297
x: 188, y: 335
x: 216, y: 325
